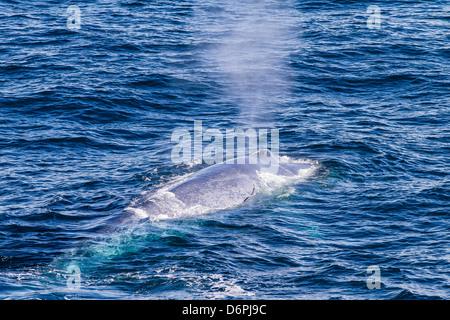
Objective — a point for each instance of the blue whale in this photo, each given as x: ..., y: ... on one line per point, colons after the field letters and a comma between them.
x: 217, y: 187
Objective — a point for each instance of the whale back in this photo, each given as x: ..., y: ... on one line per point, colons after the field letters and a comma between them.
x: 217, y: 187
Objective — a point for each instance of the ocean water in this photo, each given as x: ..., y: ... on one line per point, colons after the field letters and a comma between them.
x: 89, y: 99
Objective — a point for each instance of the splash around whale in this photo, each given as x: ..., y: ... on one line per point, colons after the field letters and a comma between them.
x: 219, y: 187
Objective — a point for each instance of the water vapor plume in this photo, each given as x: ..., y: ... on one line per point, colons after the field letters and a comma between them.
x: 253, y: 40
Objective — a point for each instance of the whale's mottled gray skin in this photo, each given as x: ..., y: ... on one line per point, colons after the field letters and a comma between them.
x: 217, y: 187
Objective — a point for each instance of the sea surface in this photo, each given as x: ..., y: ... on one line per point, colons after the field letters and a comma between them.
x: 92, y: 91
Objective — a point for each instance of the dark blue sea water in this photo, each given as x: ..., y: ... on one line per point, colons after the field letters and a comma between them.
x: 88, y: 107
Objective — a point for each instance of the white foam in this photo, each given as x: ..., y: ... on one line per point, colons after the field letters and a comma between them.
x: 172, y: 207
x: 225, y: 288
x: 272, y: 184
